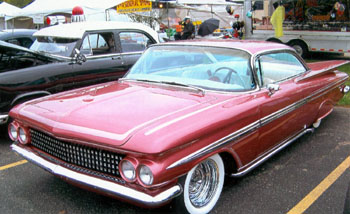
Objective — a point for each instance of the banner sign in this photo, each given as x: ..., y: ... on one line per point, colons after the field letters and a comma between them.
x: 131, y: 6
x: 38, y: 19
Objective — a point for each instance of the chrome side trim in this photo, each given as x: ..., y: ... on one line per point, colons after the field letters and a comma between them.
x: 3, y: 119
x: 219, y: 143
x: 275, y: 150
x: 112, y: 188
x: 255, y: 125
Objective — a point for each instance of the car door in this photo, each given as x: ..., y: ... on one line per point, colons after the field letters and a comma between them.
x: 132, y: 45
x: 103, y: 59
x: 280, y: 106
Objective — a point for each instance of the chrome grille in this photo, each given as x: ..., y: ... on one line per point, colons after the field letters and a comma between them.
x: 91, y: 158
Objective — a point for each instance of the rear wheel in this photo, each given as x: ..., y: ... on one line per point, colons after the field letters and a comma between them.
x: 300, y: 47
x: 202, y: 186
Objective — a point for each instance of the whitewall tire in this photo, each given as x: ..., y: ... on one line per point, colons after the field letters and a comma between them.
x: 202, y: 186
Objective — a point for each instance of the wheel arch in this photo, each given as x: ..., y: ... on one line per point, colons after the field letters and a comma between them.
x: 325, y: 108
x: 231, y: 161
x: 298, y: 41
x: 273, y: 39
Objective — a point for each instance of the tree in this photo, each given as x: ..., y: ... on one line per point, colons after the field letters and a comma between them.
x: 18, y: 3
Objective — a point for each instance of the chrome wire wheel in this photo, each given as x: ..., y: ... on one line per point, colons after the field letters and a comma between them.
x: 203, y: 185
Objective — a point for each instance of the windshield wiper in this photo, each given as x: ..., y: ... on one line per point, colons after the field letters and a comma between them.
x: 168, y: 83
x: 184, y: 85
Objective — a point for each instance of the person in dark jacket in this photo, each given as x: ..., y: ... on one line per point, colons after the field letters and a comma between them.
x: 187, y: 31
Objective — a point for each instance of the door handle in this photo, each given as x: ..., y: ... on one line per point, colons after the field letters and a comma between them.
x: 117, y: 58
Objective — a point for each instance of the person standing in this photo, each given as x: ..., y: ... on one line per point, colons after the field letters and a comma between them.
x: 187, y: 31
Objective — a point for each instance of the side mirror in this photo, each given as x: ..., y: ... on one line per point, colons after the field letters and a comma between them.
x: 78, y: 57
x: 272, y: 88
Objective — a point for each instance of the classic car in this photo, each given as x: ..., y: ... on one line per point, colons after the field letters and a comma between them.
x: 21, y: 37
x: 69, y: 56
x: 185, y: 115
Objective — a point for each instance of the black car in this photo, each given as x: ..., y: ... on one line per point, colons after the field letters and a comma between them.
x: 21, y: 37
x: 69, y: 56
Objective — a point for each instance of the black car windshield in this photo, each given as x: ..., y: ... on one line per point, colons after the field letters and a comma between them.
x: 54, y: 45
x: 210, y: 68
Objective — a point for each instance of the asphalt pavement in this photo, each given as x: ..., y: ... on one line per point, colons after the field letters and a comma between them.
x: 280, y: 185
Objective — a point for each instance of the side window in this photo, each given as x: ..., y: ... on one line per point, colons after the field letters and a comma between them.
x: 277, y: 67
x: 98, y: 43
x: 86, y: 47
x: 13, y: 41
x: 25, y: 42
x: 134, y: 42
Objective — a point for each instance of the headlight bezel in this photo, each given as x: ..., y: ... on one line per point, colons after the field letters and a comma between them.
x: 124, y: 175
x: 143, y: 172
x: 13, y: 128
x: 22, y: 131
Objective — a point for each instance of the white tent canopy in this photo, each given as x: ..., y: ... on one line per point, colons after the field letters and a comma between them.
x: 47, y: 7
x: 6, y: 11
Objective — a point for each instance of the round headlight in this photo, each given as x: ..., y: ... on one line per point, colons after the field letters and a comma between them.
x: 13, y: 132
x: 128, y: 170
x: 146, y: 175
x: 23, y: 137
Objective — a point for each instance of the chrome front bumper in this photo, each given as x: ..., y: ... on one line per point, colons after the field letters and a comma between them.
x: 3, y: 118
x: 109, y: 187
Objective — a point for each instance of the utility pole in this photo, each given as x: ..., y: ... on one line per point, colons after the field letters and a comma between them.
x: 247, y: 21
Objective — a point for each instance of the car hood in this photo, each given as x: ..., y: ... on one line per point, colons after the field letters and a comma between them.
x: 12, y: 50
x: 111, y: 113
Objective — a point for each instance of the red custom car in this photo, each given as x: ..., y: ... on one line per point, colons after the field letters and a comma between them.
x: 185, y: 115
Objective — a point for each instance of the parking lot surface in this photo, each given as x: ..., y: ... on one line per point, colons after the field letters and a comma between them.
x: 310, y: 176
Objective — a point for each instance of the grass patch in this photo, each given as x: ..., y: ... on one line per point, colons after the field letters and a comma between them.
x: 345, y: 101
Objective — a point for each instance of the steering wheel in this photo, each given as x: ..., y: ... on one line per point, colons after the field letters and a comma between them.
x: 228, y: 76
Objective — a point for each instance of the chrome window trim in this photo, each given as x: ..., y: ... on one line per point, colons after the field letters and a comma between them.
x: 257, y: 88
x: 255, y: 125
x: 282, y: 50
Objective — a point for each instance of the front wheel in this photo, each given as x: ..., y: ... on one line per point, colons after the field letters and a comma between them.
x: 202, y: 186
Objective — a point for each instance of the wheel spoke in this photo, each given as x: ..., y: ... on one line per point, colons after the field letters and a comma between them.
x: 203, y: 183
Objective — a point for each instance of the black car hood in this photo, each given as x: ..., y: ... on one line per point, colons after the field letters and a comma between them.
x: 12, y: 50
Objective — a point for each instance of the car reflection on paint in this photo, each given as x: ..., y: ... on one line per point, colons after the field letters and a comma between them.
x: 69, y: 56
x: 185, y: 115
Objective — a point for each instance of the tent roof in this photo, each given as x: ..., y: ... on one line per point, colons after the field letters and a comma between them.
x: 76, y: 30
x: 8, y: 9
x: 46, y: 7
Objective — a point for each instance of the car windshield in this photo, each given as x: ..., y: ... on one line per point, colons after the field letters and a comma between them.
x: 54, y: 45
x: 211, y: 68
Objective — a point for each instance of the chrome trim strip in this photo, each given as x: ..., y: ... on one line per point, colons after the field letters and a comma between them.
x: 219, y: 143
x: 270, y: 154
x: 112, y: 188
x: 3, y: 119
x: 255, y: 125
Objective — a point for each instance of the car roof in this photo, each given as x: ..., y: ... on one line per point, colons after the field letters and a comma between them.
x: 12, y: 33
x: 250, y: 46
x: 76, y: 30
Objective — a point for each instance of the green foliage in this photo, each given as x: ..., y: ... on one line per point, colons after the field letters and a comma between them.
x: 18, y: 3
x: 345, y: 101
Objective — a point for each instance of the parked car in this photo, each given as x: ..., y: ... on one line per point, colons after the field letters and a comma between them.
x: 69, y: 56
x: 186, y: 114
x: 21, y: 37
